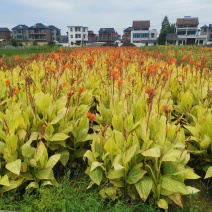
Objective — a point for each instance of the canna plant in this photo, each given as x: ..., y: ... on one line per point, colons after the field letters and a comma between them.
x: 147, y: 158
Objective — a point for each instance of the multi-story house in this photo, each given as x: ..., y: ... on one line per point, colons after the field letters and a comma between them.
x: 39, y: 33
x: 92, y: 37
x: 126, y: 37
x: 106, y: 35
x: 20, y: 32
x: 77, y: 35
x: 207, y: 31
x: 142, y: 35
x: 5, y: 34
x: 55, y: 33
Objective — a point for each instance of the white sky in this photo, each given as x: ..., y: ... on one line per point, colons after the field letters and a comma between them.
x: 96, y: 14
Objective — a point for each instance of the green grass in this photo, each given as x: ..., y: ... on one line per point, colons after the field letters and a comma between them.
x: 23, y: 52
x: 70, y: 195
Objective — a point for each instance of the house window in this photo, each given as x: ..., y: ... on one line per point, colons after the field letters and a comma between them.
x: 71, y: 36
x: 84, y: 36
x: 77, y: 29
x: 140, y: 35
x: 78, y: 36
x: 201, y: 42
x: 152, y: 35
x: 71, y: 29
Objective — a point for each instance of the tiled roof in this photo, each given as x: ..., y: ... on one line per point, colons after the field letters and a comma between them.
x: 20, y: 26
x: 129, y: 29
x: 52, y: 27
x: 90, y: 32
x: 4, y: 29
x: 140, y: 24
x: 187, y: 21
x: 39, y: 26
x: 106, y: 30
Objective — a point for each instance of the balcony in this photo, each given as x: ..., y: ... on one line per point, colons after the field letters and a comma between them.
x: 37, y: 33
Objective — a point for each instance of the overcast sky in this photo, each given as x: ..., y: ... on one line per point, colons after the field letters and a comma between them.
x: 96, y: 14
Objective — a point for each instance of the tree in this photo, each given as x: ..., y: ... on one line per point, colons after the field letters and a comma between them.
x: 166, y: 27
x: 14, y: 42
x: 165, y: 23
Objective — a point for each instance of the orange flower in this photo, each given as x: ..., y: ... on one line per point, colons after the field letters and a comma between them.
x: 16, y: 58
x: 91, y: 116
x: 64, y: 84
x: 114, y: 74
x: 120, y: 83
x: 43, y: 128
x: 7, y: 81
x: 16, y: 90
x: 81, y: 90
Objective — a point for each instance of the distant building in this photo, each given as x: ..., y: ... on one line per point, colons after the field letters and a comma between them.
x: 106, y: 35
x: 55, y: 33
x: 141, y: 35
x: 188, y: 33
x: 207, y: 31
x: 37, y: 32
x: 92, y: 37
x: 171, y: 38
x: 20, y: 32
x: 126, y: 38
x: 5, y: 34
x: 77, y: 35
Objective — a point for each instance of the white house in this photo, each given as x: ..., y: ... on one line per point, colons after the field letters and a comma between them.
x: 77, y: 35
x: 188, y: 33
x: 141, y: 35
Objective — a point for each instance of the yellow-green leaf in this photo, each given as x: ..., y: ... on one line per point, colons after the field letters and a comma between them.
x: 208, y: 173
x: 111, y: 147
x: 130, y: 152
x: 52, y: 161
x: 152, y: 152
x: 173, y: 185
x: 144, y: 187
x: 14, y: 167
x: 135, y: 174
x: 162, y: 203
x: 59, y: 137
x: 4, y: 181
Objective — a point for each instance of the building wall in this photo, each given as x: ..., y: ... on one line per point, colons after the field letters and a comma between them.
x: 144, y: 37
x: 189, y: 35
x: 77, y: 35
x: 21, y: 34
x: 106, y: 37
x: 5, y: 35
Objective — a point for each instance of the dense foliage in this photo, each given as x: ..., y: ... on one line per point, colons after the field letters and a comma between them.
x: 140, y: 119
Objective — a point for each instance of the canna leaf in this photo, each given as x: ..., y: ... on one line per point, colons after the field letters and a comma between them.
x: 13, y: 184
x: 162, y: 203
x: 14, y: 167
x: 96, y: 175
x: 208, y: 173
x: 111, y: 147
x: 135, y: 174
x: 152, y: 152
x: 59, y: 137
x: 173, y: 185
x: 144, y: 187
x: 129, y: 154
x: 4, y: 181
x: 52, y: 161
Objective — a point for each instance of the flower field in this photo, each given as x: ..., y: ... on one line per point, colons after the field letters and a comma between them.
x: 140, y: 119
